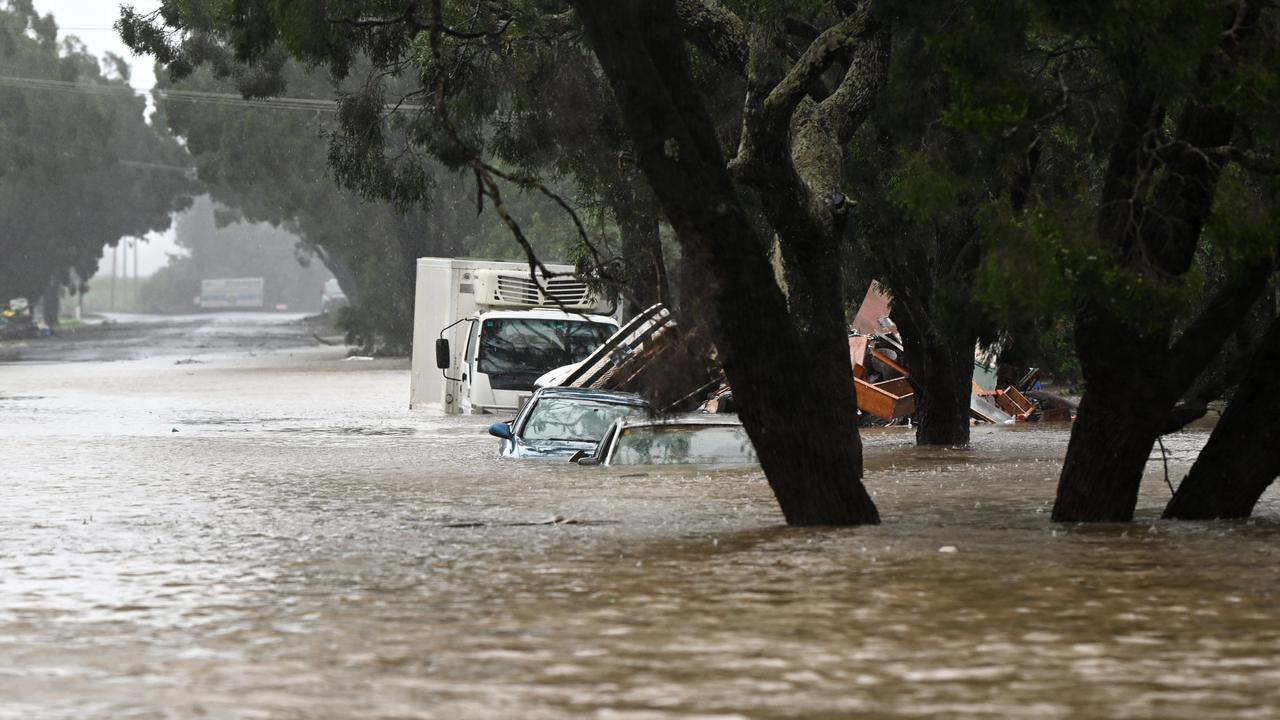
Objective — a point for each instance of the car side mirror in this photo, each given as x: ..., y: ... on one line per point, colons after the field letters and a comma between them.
x: 500, y: 430
x: 589, y: 461
x: 442, y: 353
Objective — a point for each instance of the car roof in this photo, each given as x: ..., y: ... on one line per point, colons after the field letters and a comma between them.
x: 609, y: 396
x: 707, y: 419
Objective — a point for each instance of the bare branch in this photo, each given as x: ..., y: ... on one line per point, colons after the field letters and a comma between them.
x: 1264, y: 163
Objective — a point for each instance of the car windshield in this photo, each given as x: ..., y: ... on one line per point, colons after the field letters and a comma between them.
x: 573, y: 420
x: 683, y: 445
x: 516, y: 351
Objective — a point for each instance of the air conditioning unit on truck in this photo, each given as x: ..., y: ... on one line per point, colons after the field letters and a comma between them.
x: 484, y: 330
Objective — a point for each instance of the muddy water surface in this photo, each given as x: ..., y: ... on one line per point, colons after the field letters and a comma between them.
x: 277, y: 536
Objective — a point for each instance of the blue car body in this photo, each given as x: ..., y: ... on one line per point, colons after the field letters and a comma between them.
x: 559, y: 422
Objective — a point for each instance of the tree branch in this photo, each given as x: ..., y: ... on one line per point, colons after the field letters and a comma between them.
x: 1264, y: 163
x: 716, y: 30
x: 834, y: 42
x: 1224, y: 312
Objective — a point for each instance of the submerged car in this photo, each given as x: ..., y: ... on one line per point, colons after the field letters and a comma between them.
x: 681, y: 440
x: 559, y: 422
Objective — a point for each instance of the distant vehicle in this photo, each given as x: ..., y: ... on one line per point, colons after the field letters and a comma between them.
x: 231, y: 293
x: 484, y: 331
x: 559, y: 422
x: 332, y: 297
x: 700, y: 439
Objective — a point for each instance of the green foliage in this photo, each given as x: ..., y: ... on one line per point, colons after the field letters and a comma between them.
x: 1057, y: 76
x: 1044, y: 262
x: 924, y: 190
x: 511, y: 85
x: 1242, y: 230
x: 79, y: 169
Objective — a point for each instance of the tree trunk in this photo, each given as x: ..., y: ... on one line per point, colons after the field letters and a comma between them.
x: 51, y: 303
x: 1134, y: 370
x: 942, y: 376
x: 1111, y: 441
x: 1241, y: 459
x: 337, y: 264
x: 798, y: 406
x: 646, y: 273
x: 939, y: 319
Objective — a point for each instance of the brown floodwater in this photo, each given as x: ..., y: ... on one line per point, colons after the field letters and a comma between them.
x: 277, y: 536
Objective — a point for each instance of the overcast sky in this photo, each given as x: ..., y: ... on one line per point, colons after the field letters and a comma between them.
x: 91, y: 21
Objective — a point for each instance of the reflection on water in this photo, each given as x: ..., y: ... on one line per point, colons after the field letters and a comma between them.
x: 280, y: 538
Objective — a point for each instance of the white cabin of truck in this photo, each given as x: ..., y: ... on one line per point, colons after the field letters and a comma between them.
x: 508, y: 331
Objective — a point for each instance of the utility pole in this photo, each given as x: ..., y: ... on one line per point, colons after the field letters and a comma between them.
x: 111, y: 301
x: 137, y: 294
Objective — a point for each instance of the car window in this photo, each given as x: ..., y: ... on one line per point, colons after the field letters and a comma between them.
x: 683, y: 445
x: 573, y: 419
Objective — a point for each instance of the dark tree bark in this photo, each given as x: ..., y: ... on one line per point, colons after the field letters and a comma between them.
x: 51, y: 302
x: 934, y: 308
x: 794, y: 397
x: 1134, y: 370
x: 1134, y: 381
x: 942, y: 377
x: 1241, y: 458
x: 643, y: 264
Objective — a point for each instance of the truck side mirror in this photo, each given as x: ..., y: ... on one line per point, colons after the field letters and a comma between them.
x: 442, y: 354
x: 499, y: 429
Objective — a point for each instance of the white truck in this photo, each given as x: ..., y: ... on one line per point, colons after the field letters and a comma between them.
x: 483, y: 331
x: 231, y: 293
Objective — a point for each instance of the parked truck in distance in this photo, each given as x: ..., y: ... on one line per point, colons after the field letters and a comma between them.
x: 484, y: 330
x: 231, y: 293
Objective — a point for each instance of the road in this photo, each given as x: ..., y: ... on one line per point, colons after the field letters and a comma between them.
x: 121, y: 336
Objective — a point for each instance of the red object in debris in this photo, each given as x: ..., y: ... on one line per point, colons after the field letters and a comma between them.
x: 873, y: 315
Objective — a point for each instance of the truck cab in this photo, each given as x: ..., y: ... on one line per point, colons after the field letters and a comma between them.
x: 506, y: 351
x: 485, y: 330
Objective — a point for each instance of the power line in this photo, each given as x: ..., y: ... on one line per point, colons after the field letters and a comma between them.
x: 190, y: 96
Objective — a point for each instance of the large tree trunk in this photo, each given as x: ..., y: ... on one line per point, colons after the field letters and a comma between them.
x: 933, y: 306
x: 797, y: 405
x: 1134, y: 370
x: 1133, y: 381
x: 1241, y: 458
x: 1111, y: 441
x: 942, y: 376
x: 646, y: 272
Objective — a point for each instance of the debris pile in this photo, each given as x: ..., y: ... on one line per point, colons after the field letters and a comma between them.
x: 887, y: 396
x: 651, y: 355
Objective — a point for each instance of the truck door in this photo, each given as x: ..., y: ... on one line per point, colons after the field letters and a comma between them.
x: 469, y: 362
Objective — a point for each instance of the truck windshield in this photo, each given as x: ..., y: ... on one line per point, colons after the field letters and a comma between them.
x: 516, y: 351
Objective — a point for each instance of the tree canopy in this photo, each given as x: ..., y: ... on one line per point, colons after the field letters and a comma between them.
x: 79, y: 166
x: 1016, y: 163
